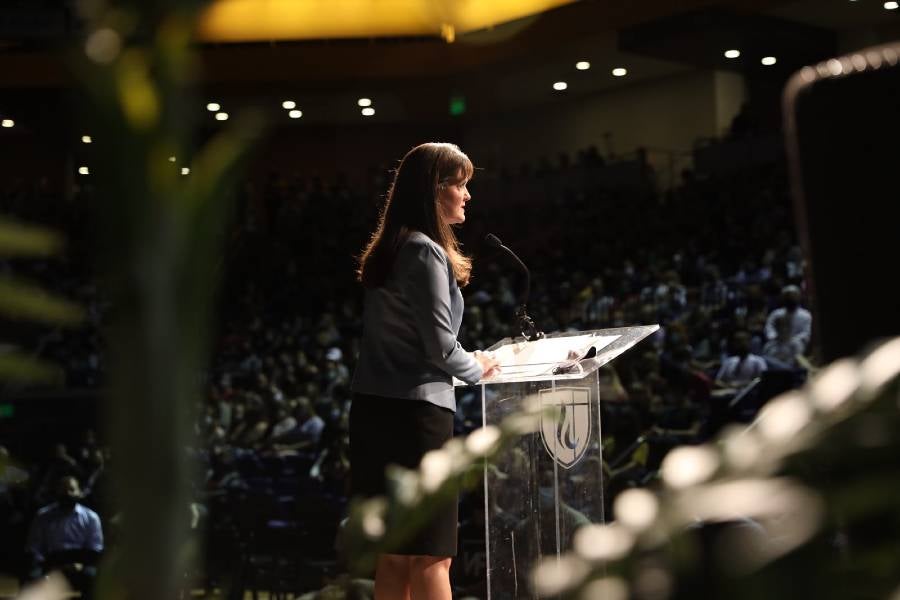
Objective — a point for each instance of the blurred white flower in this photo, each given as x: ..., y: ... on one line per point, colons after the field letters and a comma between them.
x: 689, y: 465
x: 882, y: 365
x: 554, y: 576
x: 636, y: 509
x: 608, y: 588
x: 103, y: 45
x: 784, y: 417
x: 483, y: 441
x: 741, y: 447
x: 456, y: 452
x: 435, y: 468
x: 406, y: 485
x: 835, y: 385
x: 522, y: 423
x: 53, y: 587
x: 373, y: 512
x: 603, y: 542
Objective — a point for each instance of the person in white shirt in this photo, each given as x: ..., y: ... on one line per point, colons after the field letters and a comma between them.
x: 742, y: 367
x: 799, y: 318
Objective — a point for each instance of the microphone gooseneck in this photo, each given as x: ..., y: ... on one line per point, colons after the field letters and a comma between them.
x: 524, y: 322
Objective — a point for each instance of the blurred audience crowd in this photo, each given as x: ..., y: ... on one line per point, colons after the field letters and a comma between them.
x: 713, y: 261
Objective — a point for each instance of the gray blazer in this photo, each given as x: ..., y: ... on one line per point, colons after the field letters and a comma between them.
x: 409, y: 347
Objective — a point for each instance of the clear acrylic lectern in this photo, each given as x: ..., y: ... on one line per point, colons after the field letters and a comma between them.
x: 549, y: 483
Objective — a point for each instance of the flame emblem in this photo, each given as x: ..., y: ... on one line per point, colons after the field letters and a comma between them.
x: 566, y: 428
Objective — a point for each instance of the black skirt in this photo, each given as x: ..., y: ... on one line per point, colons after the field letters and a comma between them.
x: 397, y: 431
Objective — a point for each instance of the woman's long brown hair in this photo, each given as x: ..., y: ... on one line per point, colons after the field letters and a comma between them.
x: 412, y: 205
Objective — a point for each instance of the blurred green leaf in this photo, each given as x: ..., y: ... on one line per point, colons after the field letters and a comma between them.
x: 24, y: 369
x: 214, y: 168
x: 20, y: 300
x: 17, y: 239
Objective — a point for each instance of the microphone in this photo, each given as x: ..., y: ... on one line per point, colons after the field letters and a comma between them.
x: 525, y: 323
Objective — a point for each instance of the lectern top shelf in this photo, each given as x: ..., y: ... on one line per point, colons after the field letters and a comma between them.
x: 562, y: 355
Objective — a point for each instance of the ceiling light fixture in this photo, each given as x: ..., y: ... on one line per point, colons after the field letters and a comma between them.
x: 295, y: 114
x: 560, y: 86
x: 769, y: 60
x: 368, y: 111
x: 213, y: 107
x: 619, y: 72
x: 288, y: 104
x: 364, y: 102
x: 732, y: 53
x: 222, y: 116
x: 582, y: 65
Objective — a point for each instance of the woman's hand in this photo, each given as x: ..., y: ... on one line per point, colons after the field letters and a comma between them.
x: 488, y: 363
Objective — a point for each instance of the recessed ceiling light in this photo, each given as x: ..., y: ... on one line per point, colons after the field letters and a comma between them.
x: 86, y: 139
x: 185, y: 170
x: 732, y: 53
x: 213, y: 107
x: 172, y: 159
x: 83, y: 171
x: 368, y: 111
x: 582, y: 65
x: 288, y: 104
x: 364, y: 102
x: 560, y: 86
x: 620, y: 72
x: 891, y: 5
x: 295, y: 114
x: 222, y: 116
x: 7, y: 123
x: 769, y: 60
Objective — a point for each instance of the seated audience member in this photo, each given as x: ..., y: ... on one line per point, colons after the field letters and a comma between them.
x: 799, y: 319
x: 66, y: 536
x: 784, y: 351
x: 742, y: 367
x: 312, y: 424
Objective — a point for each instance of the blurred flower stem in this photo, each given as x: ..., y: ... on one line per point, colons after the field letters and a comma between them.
x: 161, y: 235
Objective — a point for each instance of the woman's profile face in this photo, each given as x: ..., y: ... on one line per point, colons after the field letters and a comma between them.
x: 452, y: 198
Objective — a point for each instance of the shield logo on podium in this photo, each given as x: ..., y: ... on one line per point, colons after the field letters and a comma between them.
x: 566, y: 423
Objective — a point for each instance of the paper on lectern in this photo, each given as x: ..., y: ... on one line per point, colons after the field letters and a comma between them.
x: 527, y: 359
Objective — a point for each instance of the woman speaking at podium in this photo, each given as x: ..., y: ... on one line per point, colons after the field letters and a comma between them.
x: 403, y: 398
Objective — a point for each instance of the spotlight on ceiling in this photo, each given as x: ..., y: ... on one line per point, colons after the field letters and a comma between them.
x: 769, y: 60
x: 213, y: 107
x: 619, y: 72
x: 288, y: 104
x: 185, y: 170
x: 295, y: 114
x: 582, y: 65
x: 560, y: 86
x: 86, y: 139
x: 732, y: 53
x: 368, y: 111
x: 83, y: 171
x: 7, y: 123
x: 891, y: 5
x: 364, y: 102
x: 221, y: 116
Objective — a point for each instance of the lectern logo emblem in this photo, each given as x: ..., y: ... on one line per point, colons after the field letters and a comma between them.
x: 566, y: 423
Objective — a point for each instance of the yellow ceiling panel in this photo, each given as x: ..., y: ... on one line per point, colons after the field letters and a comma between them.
x: 263, y: 20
